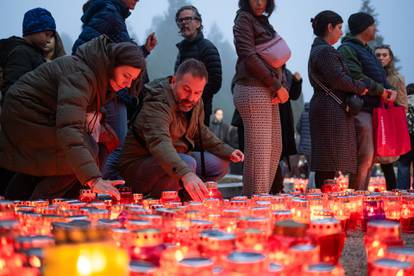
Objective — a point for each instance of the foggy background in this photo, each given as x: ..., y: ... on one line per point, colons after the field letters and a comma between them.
x: 291, y: 19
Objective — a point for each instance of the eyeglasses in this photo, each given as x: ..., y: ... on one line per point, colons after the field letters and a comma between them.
x: 186, y: 19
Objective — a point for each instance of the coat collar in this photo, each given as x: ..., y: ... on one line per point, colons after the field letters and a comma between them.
x: 186, y: 42
x: 353, y: 39
x: 318, y: 41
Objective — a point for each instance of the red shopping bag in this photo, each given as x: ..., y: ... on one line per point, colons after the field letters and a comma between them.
x: 391, y: 137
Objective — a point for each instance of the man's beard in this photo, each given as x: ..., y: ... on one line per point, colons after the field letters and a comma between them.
x: 186, y: 105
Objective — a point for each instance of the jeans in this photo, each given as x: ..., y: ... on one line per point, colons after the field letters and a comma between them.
x: 404, y: 167
x: 116, y: 117
x: 148, y: 177
x: 365, y: 140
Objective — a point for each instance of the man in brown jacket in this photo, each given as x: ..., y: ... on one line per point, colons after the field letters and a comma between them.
x: 160, y: 151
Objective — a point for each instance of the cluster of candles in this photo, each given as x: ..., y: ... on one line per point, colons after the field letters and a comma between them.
x: 302, y: 232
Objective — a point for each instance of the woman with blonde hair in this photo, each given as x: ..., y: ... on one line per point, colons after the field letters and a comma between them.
x: 386, y: 56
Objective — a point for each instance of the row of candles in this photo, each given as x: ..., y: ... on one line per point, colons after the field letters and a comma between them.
x: 300, y: 232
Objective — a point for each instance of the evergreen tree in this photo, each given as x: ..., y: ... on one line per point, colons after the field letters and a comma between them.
x: 224, y: 97
x: 368, y: 8
x: 162, y: 58
x: 379, y: 39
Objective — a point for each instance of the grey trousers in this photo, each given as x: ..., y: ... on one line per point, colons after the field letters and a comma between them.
x: 365, y: 139
x: 262, y: 136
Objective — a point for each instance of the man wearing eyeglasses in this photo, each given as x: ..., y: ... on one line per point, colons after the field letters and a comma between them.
x: 194, y: 45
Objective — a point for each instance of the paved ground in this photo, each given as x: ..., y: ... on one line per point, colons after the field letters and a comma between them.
x: 354, y: 259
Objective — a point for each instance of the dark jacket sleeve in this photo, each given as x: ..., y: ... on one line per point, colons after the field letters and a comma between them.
x: 107, y: 21
x: 19, y: 62
x: 72, y: 102
x: 177, y: 62
x: 295, y: 88
x: 355, y: 67
x: 245, y: 46
x: 157, y: 137
x: 334, y: 75
x: 211, y: 59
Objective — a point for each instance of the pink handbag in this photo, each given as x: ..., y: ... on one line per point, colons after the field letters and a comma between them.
x: 275, y: 52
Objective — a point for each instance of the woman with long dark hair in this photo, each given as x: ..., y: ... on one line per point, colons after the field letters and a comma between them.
x: 258, y: 90
x: 51, y: 120
x: 333, y: 136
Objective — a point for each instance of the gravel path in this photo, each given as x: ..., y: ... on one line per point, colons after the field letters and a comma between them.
x: 354, y: 259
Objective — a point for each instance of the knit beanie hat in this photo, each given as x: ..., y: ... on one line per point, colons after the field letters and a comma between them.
x: 38, y: 20
x: 359, y: 22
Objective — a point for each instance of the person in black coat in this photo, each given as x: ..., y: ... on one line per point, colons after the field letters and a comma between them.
x: 333, y: 135
x: 21, y: 55
x: 294, y: 85
x: 194, y: 45
x: 219, y: 127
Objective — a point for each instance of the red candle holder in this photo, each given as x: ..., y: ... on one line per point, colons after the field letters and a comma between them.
x: 392, y: 207
x: 329, y: 236
x: 377, y: 185
x: 380, y: 235
x: 373, y: 209
x: 390, y: 267
x: 148, y: 246
x: 213, y: 191
x: 87, y: 195
x: 323, y: 269
x: 194, y: 266
x: 168, y: 197
x: 286, y: 234
x: 243, y: 263
x: 216, y: 244
x: 302, y: 255
x: 300, y: 210
x: 407, y: 214
x: 401, y: 253
x: 330, y: 186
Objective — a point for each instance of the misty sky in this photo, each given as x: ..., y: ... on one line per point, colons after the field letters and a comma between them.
x: 291, y: 20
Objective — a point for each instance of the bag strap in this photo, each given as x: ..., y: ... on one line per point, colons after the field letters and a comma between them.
x: 327, y: 90
x: 203, y: 161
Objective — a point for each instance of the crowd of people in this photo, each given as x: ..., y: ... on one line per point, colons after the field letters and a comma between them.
x: 94, y: 119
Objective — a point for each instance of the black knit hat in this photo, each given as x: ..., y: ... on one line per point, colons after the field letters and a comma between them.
x: 359, y: 22
x: 38, y: 20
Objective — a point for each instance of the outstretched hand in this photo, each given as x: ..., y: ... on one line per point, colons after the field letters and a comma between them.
x: 151, y: 42
x: 102, y: 186
x: 237, y: 156
x: 194, y: 186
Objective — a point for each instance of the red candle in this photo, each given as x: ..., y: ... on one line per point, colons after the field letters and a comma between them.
x: 330, y: 237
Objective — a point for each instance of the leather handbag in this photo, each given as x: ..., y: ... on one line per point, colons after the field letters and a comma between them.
x: 352, y: 104
x: 275, y: 52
